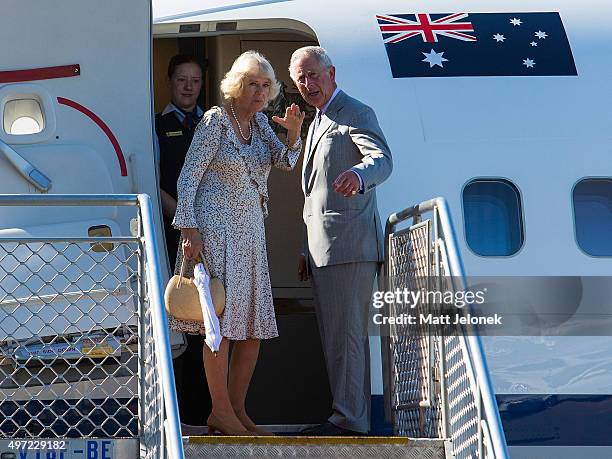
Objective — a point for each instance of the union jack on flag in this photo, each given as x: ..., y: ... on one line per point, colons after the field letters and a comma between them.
x: 476, y: 44
x: 428, y: 29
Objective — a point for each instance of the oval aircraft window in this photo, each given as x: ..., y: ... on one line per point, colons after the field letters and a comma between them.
x: 593, y: 216
x: 493, y: 217
x: 23, y: 117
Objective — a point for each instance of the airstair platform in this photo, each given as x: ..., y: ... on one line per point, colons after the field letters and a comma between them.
x: 289, y: 446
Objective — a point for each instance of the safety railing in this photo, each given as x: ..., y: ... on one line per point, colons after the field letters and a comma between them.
x: 438, y: 382
x: 85, y: 360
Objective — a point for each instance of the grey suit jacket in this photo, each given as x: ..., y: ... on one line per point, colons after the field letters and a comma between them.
x: 339, y: 229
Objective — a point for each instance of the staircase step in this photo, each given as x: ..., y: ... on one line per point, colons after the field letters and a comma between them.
x: 290, y: 446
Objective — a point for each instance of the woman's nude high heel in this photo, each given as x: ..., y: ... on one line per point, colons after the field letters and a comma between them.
x: 216, y: 426
x: 250, y: 425
x: 261, y: 432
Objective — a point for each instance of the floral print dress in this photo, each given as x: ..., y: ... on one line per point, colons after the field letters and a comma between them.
x: 222, y: 191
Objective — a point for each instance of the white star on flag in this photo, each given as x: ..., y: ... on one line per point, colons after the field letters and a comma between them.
x: 434, y: 58
x: 529, y: 63
x: 498, y: 37
x: 516, y: 21
x: 541, y: 34
x: 533, y: 43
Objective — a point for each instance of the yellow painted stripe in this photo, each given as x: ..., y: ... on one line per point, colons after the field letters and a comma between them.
x: 292, y: 441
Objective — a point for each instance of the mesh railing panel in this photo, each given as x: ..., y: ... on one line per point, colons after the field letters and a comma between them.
x: 414, y: 354
x: 77, y: 350
x: 83, y: 345
x: 438, y: 385
x: 68, y: 318
x: 68, y: 321
x: 462, y: 412
x: 152, y: 405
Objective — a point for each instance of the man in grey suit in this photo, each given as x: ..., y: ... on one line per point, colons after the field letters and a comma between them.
x: 346, y: 157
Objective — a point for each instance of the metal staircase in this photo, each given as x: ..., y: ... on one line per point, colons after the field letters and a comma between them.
x: 85, y: 363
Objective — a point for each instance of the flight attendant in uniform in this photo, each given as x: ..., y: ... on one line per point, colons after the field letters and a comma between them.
x: 175, y: 126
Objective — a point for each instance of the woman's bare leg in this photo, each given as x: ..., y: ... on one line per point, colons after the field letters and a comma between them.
x: 242, y: 365
x: 216, y: 375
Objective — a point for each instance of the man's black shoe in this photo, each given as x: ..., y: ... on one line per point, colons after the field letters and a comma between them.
x: 327, y: 429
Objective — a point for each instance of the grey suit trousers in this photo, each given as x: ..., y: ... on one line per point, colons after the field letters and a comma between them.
x: 343, y: 294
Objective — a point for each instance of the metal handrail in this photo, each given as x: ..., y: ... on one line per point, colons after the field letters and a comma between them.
x: 147, y: 237
x: 160, y: 330
x: 476, y: 359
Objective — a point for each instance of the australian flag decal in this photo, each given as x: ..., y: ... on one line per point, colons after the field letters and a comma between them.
x: 476, y: 44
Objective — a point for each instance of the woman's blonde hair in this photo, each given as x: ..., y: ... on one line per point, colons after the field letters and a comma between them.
x: 249, y: 63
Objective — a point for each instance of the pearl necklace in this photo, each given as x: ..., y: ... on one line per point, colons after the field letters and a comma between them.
x: 246, y: 139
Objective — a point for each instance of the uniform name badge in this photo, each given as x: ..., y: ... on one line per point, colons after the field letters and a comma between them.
x: 174, y: 134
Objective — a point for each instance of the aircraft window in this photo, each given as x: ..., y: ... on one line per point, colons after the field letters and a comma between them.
x: 23, y: 117
x: 493, y: 217
x: 593, y: 216
x: 25, y: 125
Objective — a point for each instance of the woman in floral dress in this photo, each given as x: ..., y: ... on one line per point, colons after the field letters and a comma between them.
x: 222, y: 203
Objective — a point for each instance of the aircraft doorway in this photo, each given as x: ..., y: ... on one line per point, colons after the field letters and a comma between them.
x: 289, y: 386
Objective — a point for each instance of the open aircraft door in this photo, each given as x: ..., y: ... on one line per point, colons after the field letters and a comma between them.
x: 75, y: 108
x: 76, y: 118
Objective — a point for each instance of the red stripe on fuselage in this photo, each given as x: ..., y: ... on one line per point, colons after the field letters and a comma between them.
x: 102, y: 125
x: 44, y: 73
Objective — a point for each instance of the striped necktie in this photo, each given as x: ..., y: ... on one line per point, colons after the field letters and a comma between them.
x: 317, y: 121
x: 308, y: 166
